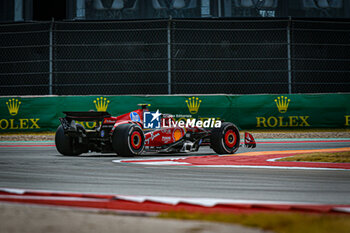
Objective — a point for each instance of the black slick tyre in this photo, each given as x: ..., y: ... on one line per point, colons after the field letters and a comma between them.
x: 67, y: 145
x: 226, y: 139
x: 128, y: 140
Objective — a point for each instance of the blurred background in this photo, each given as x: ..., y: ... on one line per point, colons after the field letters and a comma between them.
x: 24, y: 10
x: 80, y: 47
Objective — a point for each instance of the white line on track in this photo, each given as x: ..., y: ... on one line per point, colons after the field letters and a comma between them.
x: 270, y: 167
x: 175, y: 162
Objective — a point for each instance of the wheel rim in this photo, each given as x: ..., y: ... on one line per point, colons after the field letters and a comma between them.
x: 136, y: 140
x: 230, y: 138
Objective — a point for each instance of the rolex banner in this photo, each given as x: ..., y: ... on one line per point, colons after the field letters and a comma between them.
x: 26, y: 114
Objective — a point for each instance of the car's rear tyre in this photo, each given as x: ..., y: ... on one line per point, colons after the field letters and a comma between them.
x: 128, y: 140
x: 226, y: 139
x: 67, y: 145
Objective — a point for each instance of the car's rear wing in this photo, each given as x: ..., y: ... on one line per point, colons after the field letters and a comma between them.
x: 86, y: 116
x: 68, y: 122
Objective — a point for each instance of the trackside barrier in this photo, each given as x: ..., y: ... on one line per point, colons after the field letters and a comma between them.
x: 18, y: 114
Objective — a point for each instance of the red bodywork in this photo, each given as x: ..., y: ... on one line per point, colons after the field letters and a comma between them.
x: 125, y: 134
x: 153, y: 138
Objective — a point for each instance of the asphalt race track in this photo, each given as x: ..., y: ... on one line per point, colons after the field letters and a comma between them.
x: 43, y: 168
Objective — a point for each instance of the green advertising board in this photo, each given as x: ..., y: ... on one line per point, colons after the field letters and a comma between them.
x: 25, y: 114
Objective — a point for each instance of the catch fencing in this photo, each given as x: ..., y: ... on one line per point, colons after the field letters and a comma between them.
x: 203, y: 56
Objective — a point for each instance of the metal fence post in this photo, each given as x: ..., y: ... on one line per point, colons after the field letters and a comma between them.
x: 50, y: 56
x: 169, y: 56
x: 289, y: 58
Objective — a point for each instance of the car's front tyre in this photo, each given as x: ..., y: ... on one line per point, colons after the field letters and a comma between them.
x: 226, y: 139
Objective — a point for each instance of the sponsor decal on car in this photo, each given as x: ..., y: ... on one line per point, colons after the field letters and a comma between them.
x: 107, y: 121
x: 166, y: 131
x: 151, y: 137
x: 166, y: 139
x: 178, y: 134
x: 134, y: 116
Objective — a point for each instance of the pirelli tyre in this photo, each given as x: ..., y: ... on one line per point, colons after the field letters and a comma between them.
x: 226, y: 139
x: 128, y: 140
x: 67, y: 145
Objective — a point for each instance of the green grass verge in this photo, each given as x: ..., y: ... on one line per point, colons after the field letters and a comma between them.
x: 338, y: 157
x: 276, y: 222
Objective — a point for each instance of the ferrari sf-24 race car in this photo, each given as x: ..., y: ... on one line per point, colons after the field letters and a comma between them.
x: 127, y: 136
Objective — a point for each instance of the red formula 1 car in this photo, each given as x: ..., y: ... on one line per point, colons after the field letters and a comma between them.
x: 126, y: 135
